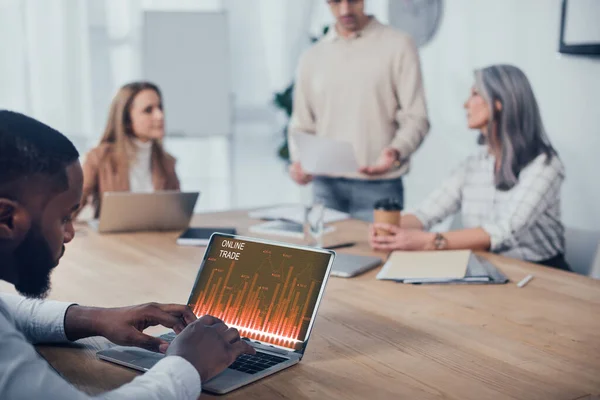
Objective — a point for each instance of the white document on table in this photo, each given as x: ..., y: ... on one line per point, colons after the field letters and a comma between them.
x: 284, y: 228
x: 295, y: 213
x: 324, y: 156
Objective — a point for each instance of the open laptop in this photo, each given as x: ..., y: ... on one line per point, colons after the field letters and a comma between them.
x: 157, y: 211
x: 269, y: 291
x: 350, y: 265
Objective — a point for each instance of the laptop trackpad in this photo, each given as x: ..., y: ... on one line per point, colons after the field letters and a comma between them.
x: 132, y: 357
x: 226, y: 381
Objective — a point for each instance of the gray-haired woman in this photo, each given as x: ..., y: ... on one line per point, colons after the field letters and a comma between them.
x: 508, y: 193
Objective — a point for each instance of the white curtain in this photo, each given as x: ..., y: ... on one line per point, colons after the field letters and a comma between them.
x: 267, y: 37
x: 45, y: 63
x: 285, y: 33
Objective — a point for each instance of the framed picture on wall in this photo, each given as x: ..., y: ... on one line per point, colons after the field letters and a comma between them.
x: 579, y: 27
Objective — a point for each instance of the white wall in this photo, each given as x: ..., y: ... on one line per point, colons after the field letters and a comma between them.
x: 44, y: 64
x: 476, y: 33
x: 267, y: 37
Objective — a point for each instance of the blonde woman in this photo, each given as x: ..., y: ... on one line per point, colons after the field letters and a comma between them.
x: 130, y: 155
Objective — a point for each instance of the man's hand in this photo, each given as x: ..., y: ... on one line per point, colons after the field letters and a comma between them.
x: 399, y: 239
x: 386, y: 161
x: 209, y: 345
x: 124, y: 326
x: 298, y: 174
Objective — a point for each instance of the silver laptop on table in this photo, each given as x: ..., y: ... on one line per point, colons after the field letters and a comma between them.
x: 157, y: 211
x: 350, y: 265
x: 269, y: 291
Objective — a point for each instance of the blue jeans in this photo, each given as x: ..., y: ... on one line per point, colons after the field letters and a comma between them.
x: 356, y: 196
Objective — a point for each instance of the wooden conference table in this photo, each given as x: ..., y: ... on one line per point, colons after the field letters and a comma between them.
x: 372, y: 339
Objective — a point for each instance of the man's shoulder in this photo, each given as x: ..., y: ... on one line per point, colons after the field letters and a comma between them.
x: 316, y: 50
x: 396, y: 36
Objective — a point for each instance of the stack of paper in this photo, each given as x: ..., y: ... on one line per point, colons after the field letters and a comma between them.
x: 295, y: 213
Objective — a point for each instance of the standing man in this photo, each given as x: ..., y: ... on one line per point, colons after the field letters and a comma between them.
x: 361, y: 84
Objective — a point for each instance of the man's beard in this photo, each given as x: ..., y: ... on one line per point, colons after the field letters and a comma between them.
x: 34, y: 263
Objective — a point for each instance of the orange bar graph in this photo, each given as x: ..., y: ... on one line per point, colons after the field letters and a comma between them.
x: 267, y: 304
x: 225, y: 285
x: 264, y: 327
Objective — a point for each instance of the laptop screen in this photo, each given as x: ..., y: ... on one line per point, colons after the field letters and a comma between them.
x: 268, y: 292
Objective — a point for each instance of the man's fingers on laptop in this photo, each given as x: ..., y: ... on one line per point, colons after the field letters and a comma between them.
x: 156, y: 315
x: 231, y: 335
x: 242, y: 347
x: 220, y: 328
x: 206, y: 348
x: 147, y: 342
x: 181, y: 311
x: 209, y: 320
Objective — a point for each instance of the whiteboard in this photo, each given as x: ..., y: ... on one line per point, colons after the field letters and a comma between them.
x: 186, y: 53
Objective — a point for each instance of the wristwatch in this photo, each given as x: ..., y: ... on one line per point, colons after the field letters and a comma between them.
x: 440, y: 242
x: 397, y: 164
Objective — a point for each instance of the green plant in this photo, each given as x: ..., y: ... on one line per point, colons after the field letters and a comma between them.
x: 285, y: 101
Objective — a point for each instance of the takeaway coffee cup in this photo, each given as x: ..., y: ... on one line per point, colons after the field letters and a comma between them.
x: 387, y: 211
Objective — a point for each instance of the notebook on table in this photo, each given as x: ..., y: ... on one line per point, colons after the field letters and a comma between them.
x: 448, y: 267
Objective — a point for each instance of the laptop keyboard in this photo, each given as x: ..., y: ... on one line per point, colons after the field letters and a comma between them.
x: 244, y: 363
x: 256, y: 363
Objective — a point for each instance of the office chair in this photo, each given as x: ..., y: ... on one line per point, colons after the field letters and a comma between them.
x: 582, y: 251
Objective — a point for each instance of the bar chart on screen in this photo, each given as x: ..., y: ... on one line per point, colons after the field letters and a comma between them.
x: 269, y: 293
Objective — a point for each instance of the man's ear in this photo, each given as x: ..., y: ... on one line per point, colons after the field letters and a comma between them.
x: 14, y: 220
